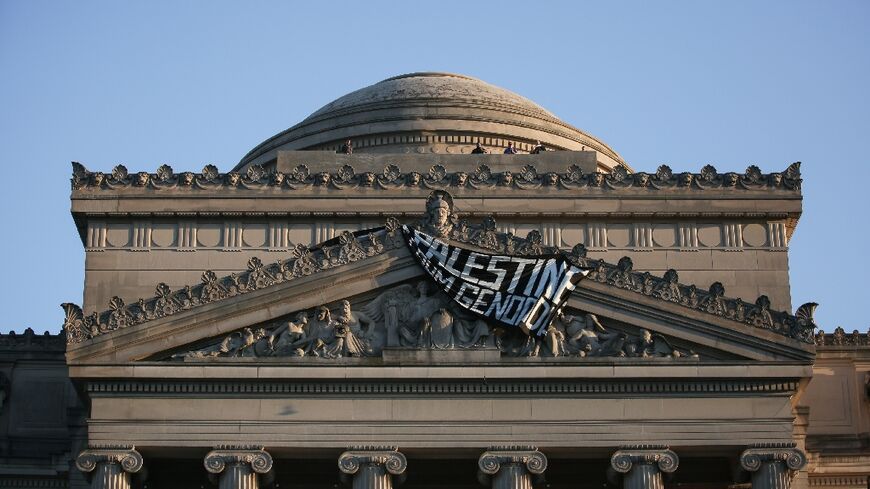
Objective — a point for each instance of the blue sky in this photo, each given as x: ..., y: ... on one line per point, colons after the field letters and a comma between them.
x: 189, y: 83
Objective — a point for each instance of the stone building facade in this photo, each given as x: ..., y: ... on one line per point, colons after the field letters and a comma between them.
x: 270, y: 325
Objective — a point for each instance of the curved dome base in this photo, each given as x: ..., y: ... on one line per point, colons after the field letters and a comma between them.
x: 431, y: 113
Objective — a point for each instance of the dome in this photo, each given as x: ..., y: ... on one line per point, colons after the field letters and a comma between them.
x: 431, y: 113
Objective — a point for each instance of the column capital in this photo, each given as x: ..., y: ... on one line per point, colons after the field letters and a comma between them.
x: 492, y: 460
x: 627, y: 456
x: 128, y: 458
x: 756, y: 455
x: 391, y: 458
x: 259, y: 459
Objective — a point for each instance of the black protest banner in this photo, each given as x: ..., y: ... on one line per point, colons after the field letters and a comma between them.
x: 512, y: 291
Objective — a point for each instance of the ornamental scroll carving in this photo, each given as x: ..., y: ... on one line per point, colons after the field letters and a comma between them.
x: 304, y: 261
x: 128, y: 458
x: 799, y: 326
x: 438, y: 177
x: 491, y: 461
x: 627, y: 457
x: 444, y: 328
x: 756, y: 456
x: 393, y: 461
x: 217, y: 460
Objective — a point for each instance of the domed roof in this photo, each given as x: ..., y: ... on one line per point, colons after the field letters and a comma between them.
x: 430, y: 113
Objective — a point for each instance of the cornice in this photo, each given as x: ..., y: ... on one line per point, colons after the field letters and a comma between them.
x: 573, y: 182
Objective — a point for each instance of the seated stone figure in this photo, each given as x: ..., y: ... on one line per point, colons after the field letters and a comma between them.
x: 288, y: 339
x: 587, y: 337
x: 436, y: 323
x: 321, y: 341
x: 651, y: 345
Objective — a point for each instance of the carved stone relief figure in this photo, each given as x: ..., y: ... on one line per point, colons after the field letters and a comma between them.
x: 651, y: 345
x: 439, y: 218
x: 287, y: 340
x: 402, y: 317
x: 348, y: 332
x: 587, y: 337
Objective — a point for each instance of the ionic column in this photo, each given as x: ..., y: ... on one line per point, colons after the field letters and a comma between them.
x: 641, y: 466
x: 511, y: 467
x: 772, y: 465
x: 109, y: 468
x: 372, y: 468
x: 238, y: 468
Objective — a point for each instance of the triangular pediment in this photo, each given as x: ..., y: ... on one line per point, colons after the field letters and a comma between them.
x: 615, y: 314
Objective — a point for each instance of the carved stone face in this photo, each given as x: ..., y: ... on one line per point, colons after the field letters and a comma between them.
x: 142, y: 178
x: 775, y: 179
x: 507, y: 178
x: 345, y: 307
x: 367, y: 178
x: 278, y: 178
x: 187, y: 178
x: 413, y: 178
x: 597, y: 179
x: 98, y: 179
x: 439, y: 216
x: 730, y: 179
x: 642, y: 180
x: 550, y: 179
x: 461, y: 178
x: 646, y: 336
x: 232, y: 178
x: 322, y: 178
x: 322, y: 314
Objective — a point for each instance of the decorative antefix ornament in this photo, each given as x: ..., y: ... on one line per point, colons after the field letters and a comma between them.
x: 511, y: 291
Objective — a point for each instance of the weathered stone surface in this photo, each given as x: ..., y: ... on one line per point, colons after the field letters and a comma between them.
x: 772, y: 465
x: 641, y: 466
x: 511, y: 467
x: 110, y: 468
x: 373, y: 467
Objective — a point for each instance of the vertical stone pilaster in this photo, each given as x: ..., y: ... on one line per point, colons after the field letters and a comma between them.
x: 238, y: 468
x: 772, y: 465
x: 109, y: 468
x: 511, y: 467
x: 641, y: 466
x: 372, y: 467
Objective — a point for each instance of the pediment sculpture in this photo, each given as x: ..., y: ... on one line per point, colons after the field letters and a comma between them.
x: 414, y: 316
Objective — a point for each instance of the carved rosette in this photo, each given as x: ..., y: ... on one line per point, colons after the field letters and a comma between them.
x: 772, y: 465
x: 238, y: 468
x: 642, y: 466
x: 511, y: 467
x: 110, y: 468
x: 373, y: 467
